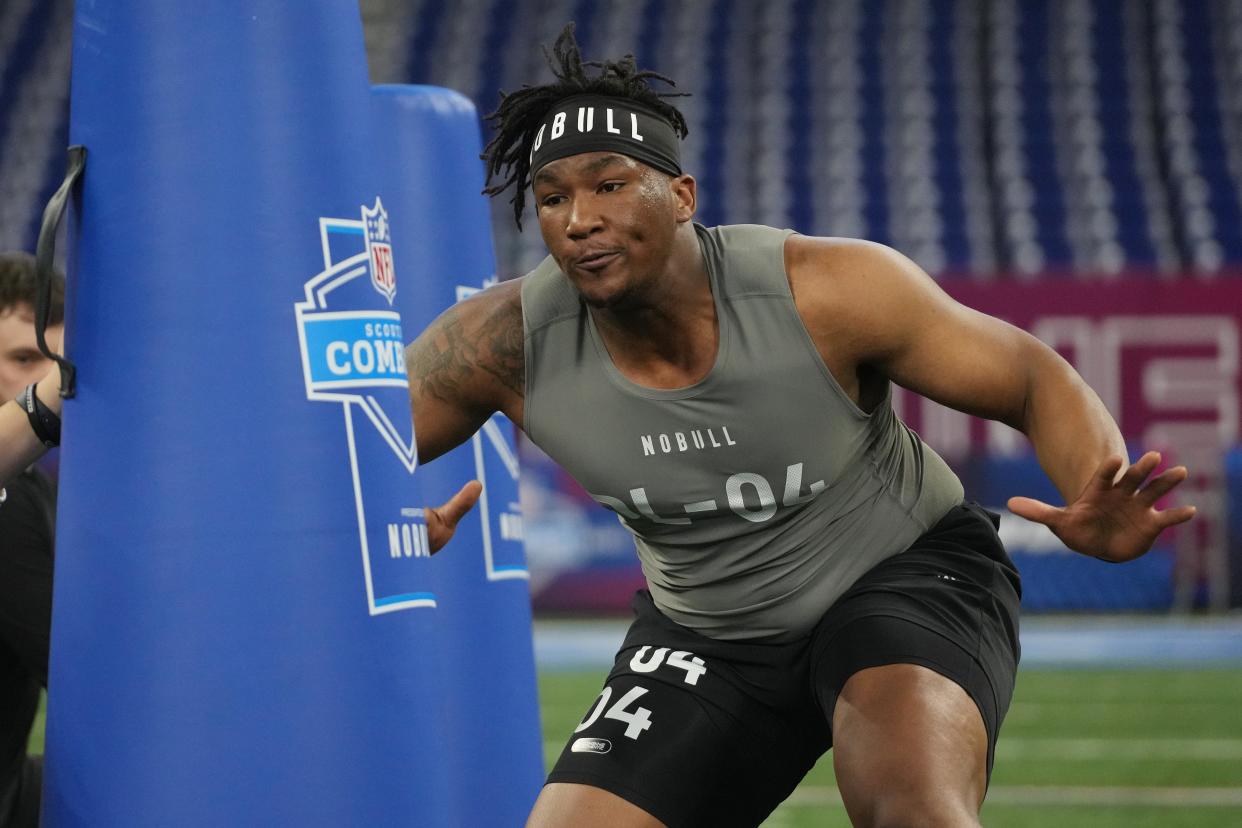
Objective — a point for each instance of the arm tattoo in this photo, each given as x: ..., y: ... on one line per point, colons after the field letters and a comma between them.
x: 503, y: 338
x: 442, y: 360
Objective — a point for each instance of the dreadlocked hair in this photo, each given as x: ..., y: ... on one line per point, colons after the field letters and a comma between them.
x: 519, y: 115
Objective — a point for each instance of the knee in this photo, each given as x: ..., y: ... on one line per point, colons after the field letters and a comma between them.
x: 917, y: 809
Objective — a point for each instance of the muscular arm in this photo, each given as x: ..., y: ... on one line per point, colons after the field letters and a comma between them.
x: 466, y: 365
x: 872, y: 310
x: 876, y: 316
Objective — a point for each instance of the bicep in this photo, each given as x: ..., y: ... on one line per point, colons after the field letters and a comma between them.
x: 885, y: 314
x: 441, y: 364
x: 964, y: 359
x: 466, y: 365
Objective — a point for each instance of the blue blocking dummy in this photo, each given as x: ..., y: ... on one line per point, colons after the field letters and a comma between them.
x: 247, y: 629
x: 428, y: 144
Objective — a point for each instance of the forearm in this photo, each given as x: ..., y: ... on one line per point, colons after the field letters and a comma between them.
x: 19, y: 447
x: 1110, y: 511
x: 1071, y: 430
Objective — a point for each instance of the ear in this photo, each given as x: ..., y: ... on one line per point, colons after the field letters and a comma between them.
x: 685, y: 194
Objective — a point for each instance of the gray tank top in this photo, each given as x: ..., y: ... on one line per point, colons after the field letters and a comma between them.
x: 759, y: 494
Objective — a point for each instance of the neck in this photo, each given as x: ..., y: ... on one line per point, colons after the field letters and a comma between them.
x: 667, y: 338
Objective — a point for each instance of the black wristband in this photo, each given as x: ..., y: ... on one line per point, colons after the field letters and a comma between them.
x: 43, y: 420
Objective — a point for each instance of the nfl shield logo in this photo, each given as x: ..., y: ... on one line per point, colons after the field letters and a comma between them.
x: 379, y: 245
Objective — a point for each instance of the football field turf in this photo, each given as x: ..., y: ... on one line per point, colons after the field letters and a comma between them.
x: 1098, y: 748
x: 1123, y: 748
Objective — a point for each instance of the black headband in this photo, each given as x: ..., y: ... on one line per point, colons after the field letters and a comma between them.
x: 598, y: 123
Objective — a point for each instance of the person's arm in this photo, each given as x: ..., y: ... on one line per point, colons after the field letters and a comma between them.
x: 19, y: 447
x: 882, y: 313
x: 467, y: 364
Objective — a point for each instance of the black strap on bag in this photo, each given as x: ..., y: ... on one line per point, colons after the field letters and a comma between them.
x: 45, y: 254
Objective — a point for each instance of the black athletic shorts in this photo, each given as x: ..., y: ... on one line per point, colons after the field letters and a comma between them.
x: 702, y: 732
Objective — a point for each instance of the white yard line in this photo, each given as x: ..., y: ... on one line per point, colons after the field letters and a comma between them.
x: 1130, y: 750
x: 1073, y: 795
x: 820, y: 796
x: 1072, y: 749
x: 1121, y: 749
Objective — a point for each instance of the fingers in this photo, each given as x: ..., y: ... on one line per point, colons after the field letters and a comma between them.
x: 1137, y: 473
x: 1035, y: 510
x: 1165, y: 483
x: 1106, y: 472
x: 1158, y: 487
x: 1172, y: 517
x: 442, y: 521
x: 460, y: 503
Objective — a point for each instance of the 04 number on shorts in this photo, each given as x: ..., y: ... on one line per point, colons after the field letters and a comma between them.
x: 636, y: 721
x: 680, y: 660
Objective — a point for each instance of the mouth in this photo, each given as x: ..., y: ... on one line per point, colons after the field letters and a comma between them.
x: 595, y: 262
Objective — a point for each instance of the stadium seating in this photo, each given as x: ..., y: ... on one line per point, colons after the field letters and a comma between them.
x: 1012, y: 139
x: 1004, y: 139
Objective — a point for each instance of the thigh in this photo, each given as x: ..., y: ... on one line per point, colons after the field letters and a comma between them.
x: 949, y: 604
x: 677, y: 734
x: 909, y: 745
x: 570, y: 805
x: 647, y: 753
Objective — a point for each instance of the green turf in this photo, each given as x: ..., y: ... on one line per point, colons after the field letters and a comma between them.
x: 35, y: 744
x: 1080, y: 736
x: 1080, y: 748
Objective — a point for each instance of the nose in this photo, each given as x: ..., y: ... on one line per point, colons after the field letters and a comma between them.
x: 584, y: 218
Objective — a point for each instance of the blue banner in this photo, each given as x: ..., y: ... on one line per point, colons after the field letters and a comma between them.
x: 246, y: 626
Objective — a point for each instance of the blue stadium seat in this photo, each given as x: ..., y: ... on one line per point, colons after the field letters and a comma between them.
x: 1022, y: 136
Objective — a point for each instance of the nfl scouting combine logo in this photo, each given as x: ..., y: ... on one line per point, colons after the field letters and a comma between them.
x: 353, y: 355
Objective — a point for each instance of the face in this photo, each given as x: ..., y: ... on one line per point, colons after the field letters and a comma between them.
x: 609, y: 221
x: 21, y: 363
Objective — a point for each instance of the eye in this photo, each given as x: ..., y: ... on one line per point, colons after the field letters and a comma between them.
x: 551, y: 200
x: 611, y: 186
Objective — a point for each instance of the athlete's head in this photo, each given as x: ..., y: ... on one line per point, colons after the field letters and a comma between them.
x: 21, y: 362
x: 523, y: 117
x: 601, y: 153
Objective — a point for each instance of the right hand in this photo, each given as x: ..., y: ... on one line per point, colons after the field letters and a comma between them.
x: 442, y: 521
x: 1113, y: 519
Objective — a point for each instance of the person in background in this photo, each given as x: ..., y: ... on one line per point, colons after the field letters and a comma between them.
x: 27, y: 527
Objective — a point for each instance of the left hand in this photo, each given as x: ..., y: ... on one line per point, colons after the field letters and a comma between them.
x: 442, y: 520
x: 1113, y: 519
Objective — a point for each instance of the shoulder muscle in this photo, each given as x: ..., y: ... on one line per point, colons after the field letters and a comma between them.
x: 871, y: 307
